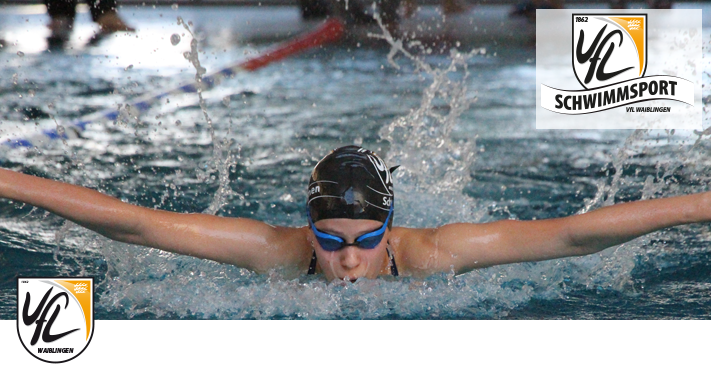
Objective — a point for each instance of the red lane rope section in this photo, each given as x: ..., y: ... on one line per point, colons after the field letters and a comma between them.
x: 332, y: 30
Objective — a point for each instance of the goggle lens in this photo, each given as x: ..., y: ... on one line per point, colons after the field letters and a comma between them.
x: 371, y: 242
x: 330, y: 244
x: 334, y: 243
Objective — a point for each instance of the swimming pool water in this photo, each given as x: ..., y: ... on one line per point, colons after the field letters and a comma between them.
x: 479, y: 162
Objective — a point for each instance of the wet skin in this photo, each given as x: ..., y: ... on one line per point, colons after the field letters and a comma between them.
x: 455, y: 247
x: 351, y: 262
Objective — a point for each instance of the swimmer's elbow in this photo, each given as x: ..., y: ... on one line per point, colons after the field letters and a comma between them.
x: 124, y: 236
x: 575, y: 244
x: 135, y: 227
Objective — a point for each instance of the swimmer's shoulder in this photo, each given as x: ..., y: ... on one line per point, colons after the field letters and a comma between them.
x: 423, y: 251
x: 262, y: 247
x: 293, y: 245
x: 414, y: 250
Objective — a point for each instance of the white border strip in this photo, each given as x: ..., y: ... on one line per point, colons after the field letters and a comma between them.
x: 380, y: 350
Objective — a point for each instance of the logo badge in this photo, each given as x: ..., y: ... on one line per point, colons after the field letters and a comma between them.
x: 55, y: 316
x: 617, y: 70
x: 609, y: 48
x: 610, y: 60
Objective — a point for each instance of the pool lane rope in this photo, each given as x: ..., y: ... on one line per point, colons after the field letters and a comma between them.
x: 330, y: 31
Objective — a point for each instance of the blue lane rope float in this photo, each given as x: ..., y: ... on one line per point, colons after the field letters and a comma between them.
x: 330, y: 31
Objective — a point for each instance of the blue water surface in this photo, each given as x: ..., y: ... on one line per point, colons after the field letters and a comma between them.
x: 486, y: 162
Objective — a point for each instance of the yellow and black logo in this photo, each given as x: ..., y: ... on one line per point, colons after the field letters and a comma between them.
x: 608, y: 49
x: 55, y: 316
x: 609, y: 57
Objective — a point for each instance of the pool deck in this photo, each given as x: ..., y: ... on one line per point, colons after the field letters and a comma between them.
x: 197, y: 3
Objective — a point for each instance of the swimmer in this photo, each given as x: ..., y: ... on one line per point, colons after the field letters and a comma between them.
x: 350, y: 233
x: 63, y: 12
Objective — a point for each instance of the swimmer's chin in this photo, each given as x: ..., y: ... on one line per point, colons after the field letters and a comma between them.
x: 362, y: 278
x: 345, y: 279
x: 351, y: 279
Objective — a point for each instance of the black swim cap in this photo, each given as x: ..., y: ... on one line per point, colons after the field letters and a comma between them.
x: 352, y: 183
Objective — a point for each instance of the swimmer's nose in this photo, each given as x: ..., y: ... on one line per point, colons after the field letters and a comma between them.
x: 350, y: 258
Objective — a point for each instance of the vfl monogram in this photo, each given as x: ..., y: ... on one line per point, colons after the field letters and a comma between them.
x: 28, y: 319
x: 55, y: 317
x: 616, y: 53
x: 585, y: 56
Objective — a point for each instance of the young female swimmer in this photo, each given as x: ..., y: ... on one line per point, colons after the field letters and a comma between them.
x: 350, y: 233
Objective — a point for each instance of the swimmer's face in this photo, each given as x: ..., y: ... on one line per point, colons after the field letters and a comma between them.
x: 351, y: 262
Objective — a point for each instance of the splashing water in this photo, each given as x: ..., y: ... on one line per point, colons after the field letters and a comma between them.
x: 222, y: 160
x: 435, y: 170
x: 157, y: 284
x: 434, y: 167
x: 223, y: 163
x: 433, y: 188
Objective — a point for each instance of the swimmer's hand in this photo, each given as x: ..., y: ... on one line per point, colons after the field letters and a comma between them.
x: 243, y: 242
x: 462, y: 247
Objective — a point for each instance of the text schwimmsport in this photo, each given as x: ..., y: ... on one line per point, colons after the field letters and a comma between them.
x: 615, y: 95
x: 653, y: 88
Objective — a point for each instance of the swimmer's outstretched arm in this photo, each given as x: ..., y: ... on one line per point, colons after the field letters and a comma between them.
x: 462, y: 247
x: 243, y: 242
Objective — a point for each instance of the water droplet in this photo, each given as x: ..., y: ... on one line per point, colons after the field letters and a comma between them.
x: 174, y: 7
x: 175, y: 39
x: 20, y: 54
x: 178, y: 123
x: 226, y: 101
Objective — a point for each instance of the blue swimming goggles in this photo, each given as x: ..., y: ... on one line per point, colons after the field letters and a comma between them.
x: 369, y: 240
